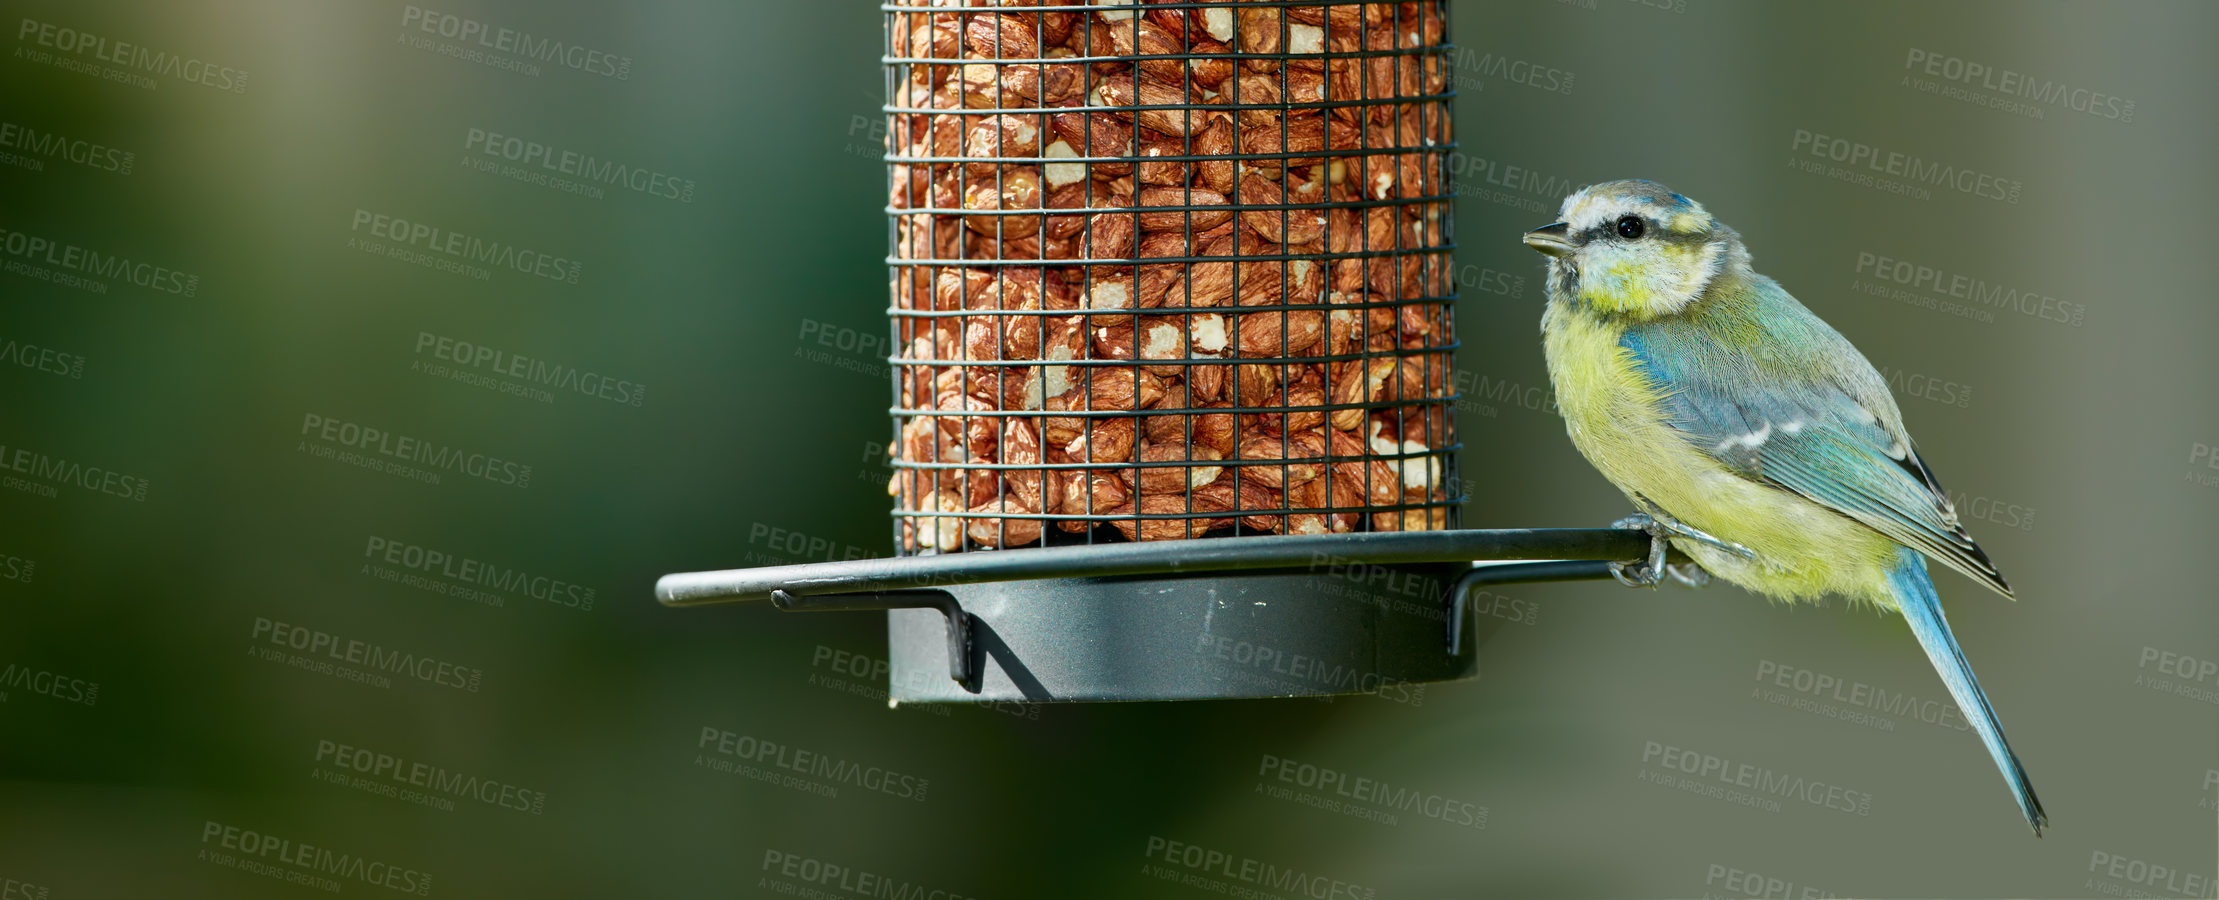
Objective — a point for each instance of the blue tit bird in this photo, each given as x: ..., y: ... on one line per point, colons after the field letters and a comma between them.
x: 1748, y: 434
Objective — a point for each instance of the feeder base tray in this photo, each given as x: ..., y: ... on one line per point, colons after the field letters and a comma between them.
x: 1375, y: 630
x: 1267, y: 616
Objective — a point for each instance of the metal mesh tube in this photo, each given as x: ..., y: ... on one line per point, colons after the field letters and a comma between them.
x: 1169, y: 270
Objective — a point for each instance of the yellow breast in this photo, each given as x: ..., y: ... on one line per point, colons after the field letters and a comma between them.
x: 1612, y: 412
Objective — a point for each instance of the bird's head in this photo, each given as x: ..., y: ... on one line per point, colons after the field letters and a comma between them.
x: 1635, y: 249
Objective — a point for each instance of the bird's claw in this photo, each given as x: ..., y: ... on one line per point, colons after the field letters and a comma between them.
x: 1688, y: 574
x: 1643, y: 572
x: 1637, y: 573
x: 1652, y: 570
x: 1634, y: 574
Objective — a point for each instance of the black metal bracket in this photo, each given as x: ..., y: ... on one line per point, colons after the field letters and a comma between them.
x: 962, y: 645
x: 1460, y: 594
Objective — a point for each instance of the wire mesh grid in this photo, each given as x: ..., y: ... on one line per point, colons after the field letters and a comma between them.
x: 1169, y: 270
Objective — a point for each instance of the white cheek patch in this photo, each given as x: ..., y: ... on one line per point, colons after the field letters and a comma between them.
x: 1671, y: 298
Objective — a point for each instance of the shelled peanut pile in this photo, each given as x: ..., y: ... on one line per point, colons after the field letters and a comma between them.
x: 1268, y: 350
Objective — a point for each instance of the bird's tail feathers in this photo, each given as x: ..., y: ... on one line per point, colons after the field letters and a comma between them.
x: 1922, y: 608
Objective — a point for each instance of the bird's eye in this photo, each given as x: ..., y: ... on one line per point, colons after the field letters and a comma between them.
x: 1631, y: 228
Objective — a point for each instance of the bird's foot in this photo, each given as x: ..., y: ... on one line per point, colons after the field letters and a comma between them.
x: 1643, y: 572
x: 1662, y: 529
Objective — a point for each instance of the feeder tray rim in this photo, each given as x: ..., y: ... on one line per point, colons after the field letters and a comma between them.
x: 1186, y: 556
x: 1498, y: 556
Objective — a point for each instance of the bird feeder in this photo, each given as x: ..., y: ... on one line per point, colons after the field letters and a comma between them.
x: 1172, y: 310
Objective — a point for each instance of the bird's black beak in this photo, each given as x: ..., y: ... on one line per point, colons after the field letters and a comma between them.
x: 1552, y: 240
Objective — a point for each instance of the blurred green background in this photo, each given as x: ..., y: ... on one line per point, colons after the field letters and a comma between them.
x: 158, y: 739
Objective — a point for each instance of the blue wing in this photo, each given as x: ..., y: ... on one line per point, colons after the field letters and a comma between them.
x: 1792, y: 404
